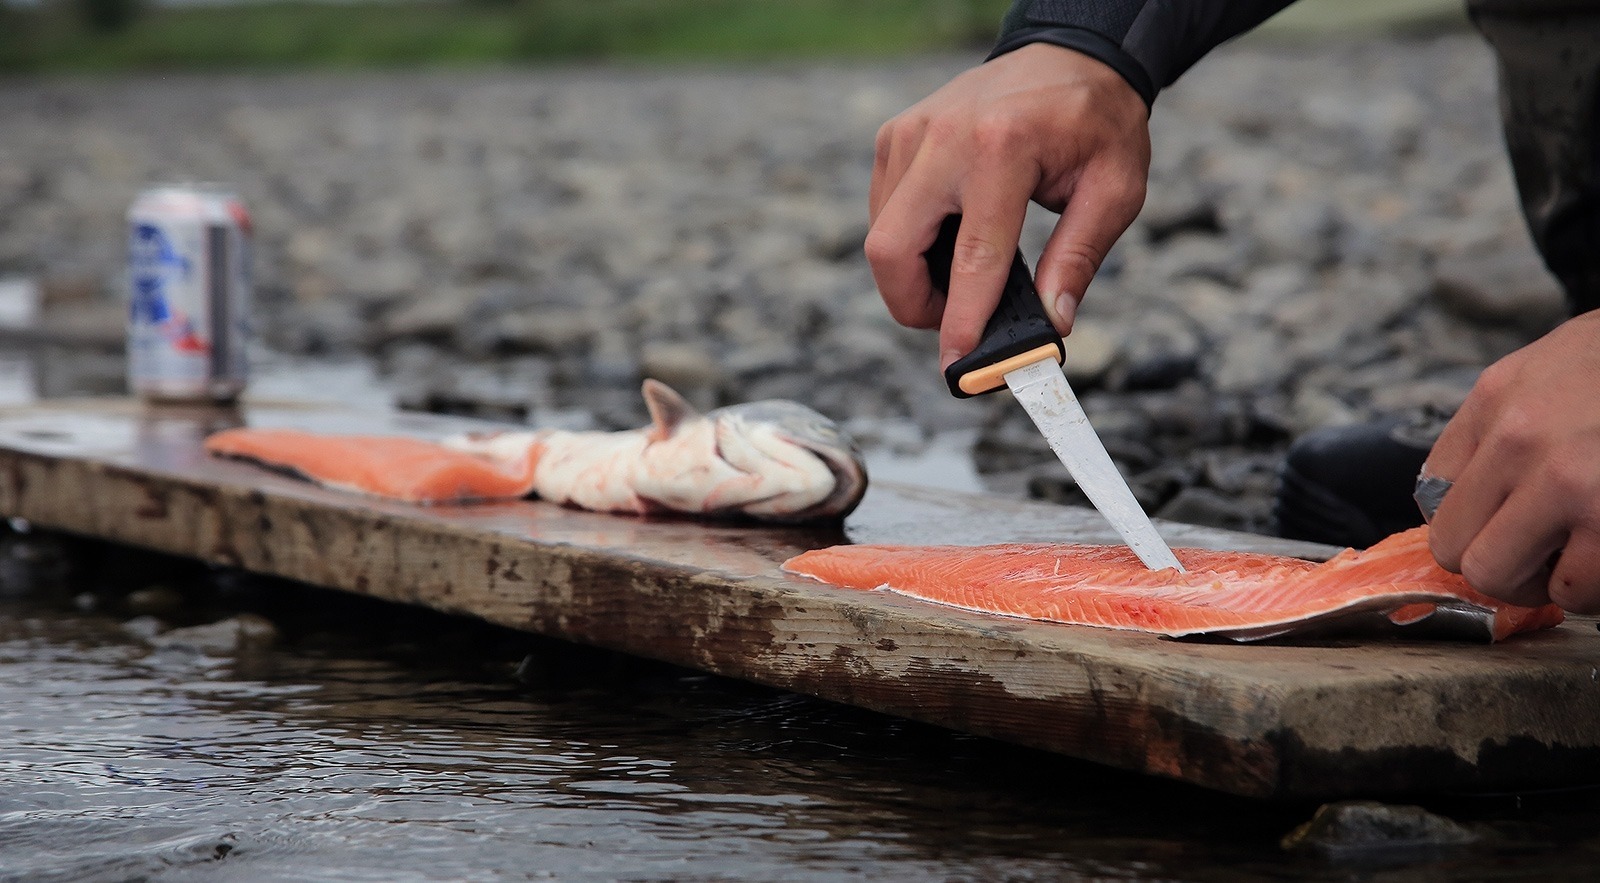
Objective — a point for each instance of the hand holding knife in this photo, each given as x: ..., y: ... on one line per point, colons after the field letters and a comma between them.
x: 1020, y: 349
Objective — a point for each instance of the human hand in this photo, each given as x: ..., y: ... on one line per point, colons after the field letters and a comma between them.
x: 1522, y: 520
x: 1041, y: 122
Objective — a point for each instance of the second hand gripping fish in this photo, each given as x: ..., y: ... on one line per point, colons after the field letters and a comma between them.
x: 771, y: 460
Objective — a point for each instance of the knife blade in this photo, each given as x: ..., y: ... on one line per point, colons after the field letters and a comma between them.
x: 1021, y: 350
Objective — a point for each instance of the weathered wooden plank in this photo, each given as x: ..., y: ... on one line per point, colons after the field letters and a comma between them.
x: 1313, y: 719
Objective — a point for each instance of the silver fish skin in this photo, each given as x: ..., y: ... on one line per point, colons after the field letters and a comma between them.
x: 770, y: 460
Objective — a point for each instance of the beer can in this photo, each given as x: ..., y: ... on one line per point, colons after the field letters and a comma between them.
x: 189, y: 293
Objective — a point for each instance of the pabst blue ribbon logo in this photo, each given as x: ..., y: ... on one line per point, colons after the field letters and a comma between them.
x: 153, y: 262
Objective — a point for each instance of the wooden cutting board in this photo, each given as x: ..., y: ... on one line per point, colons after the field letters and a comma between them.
x: 1311, y: 719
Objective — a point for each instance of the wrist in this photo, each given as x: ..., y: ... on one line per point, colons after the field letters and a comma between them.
x: 1090, y: 44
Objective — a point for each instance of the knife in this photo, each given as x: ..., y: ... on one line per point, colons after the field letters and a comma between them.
x: 1020, y: 349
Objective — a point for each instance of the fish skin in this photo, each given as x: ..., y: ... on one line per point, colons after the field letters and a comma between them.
x: 772, y: 460
x: 1231, y: 594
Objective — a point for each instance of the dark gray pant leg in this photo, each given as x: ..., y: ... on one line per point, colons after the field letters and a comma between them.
x: 1549, y: 54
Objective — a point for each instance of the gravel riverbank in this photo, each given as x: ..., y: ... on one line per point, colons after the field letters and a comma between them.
x: 1331, y: 234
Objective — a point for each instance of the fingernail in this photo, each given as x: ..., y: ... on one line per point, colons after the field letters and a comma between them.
x: 946, y: 357
x: 1066, y: 309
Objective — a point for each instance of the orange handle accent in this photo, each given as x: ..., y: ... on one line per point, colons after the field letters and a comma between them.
x: 981, y: 380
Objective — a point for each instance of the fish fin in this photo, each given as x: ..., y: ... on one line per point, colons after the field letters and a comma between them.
x: 668, y: 409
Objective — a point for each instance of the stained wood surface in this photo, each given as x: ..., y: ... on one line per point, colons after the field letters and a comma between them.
x: 1313, y: 719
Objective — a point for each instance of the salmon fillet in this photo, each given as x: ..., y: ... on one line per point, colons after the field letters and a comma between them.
x: 408, y: 469
x: 1241, y: 595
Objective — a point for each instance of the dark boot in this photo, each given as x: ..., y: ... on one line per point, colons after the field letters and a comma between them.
x: 1351, y: 485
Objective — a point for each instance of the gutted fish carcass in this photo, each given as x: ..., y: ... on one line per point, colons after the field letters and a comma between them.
x: 776, y: 460
x: 770, y: 460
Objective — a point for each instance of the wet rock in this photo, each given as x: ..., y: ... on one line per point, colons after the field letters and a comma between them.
x: 65, y: 371
x: 1241, y: 474
x: 1009, y: 445
x: 1442, y: 394
x: 1313, y: 408
x: 1155, y: 487
x: 1250, y: 361
x: 1199, y: 257
x: 322, y: 327
x: 1299, y: 229
x: 540, y: 330
x: 613, y: 360
x: 1053, y: 484
x: 1365, y: 827
x: 1158, y: 352
x: 682, y: 366
x: 432, y: 319
x: 1092, y: 348
x: 154, y: 601
x: 1509, y: 285
x: 145, y: 628
x: 768, y: 355
x: 100, y: 324
x: 1172, y: 210
x: 236, y: 634
x: 1198, y: 505
x: 33, y: 563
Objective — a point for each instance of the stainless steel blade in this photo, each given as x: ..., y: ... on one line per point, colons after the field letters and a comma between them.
x: 1044, y: 393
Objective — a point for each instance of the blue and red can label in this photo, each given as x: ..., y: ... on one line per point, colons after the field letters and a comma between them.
x: 189, y: 294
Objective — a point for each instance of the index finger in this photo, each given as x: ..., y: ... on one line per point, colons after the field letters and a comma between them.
x: 993, y: 208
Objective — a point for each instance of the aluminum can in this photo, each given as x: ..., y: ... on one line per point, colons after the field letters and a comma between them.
x: 189, y: 293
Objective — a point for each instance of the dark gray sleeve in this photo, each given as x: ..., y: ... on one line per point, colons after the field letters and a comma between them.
x: 1148, y: 42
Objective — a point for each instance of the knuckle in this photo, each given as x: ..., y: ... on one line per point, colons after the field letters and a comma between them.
x: 1485, y: 576
x: 1516, y: 432
x: 1445, y: 553
x: 884, y: 143
x: 881, y: 247
x: 903, y: 130
x: 971, y: 256
x: 998, y: 134
x: 941, y: 132
x: 1080, y: 260
x: 1494, y: 381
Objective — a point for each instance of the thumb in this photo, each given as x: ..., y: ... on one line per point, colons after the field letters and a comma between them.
x: 1099, y: 211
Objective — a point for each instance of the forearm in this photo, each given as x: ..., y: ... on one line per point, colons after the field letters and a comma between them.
x: 1149, y: 42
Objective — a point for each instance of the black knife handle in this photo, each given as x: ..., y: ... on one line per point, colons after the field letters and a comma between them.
x: 1019, y: 323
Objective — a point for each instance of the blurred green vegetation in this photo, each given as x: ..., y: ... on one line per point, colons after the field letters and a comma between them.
x: 1310, y: 18
x: 118, y: 35
x: 64, y: 35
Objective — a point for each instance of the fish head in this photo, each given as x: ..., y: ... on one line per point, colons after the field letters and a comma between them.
x: 795, y: 425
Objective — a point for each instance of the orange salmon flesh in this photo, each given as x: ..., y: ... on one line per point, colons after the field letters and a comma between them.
x: 406, y: 469
x: 1220, y: 592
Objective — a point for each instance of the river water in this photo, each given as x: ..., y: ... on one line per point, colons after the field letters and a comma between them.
x: 377, y: 742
